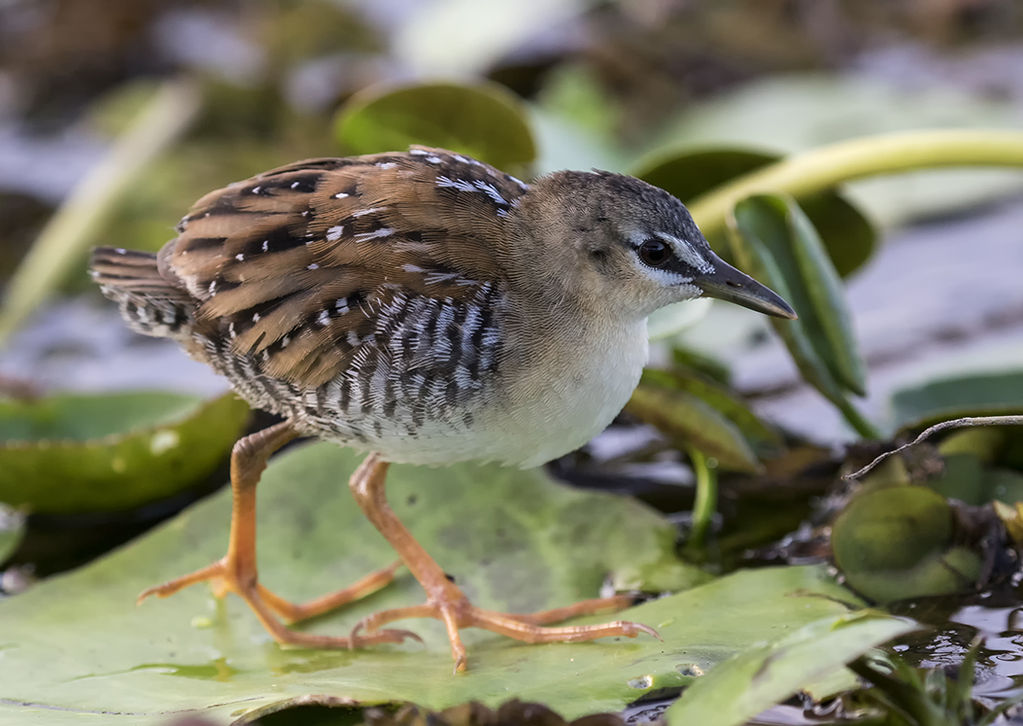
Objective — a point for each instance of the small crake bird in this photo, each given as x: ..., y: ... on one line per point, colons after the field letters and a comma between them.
x: 427, y: 308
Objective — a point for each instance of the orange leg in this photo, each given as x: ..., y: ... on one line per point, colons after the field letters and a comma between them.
x: 236, y: 572
x: 448, y: 603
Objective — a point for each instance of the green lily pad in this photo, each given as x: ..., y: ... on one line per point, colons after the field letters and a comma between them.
x: 848, y: 236
x: 95, y: 452
x: 76, y: 649
x: 980, y: 394
x: 900, y: 542
x: 483, y: 120
x: 768, y: 673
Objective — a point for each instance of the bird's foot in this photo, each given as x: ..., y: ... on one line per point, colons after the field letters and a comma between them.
x: 456, y: 612
x: 224, y: 577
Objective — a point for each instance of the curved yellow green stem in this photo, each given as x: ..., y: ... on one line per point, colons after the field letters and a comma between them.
x: 827, y: 166
x: 706, y: 501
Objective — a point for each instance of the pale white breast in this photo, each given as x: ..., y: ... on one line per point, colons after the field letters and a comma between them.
x: 552, y: 400
x: 564, y: 398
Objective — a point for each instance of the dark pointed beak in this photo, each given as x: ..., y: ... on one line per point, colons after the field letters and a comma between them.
x: 728, y: 283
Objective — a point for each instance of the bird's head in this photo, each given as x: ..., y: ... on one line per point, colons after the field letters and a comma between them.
x: 617, y: 241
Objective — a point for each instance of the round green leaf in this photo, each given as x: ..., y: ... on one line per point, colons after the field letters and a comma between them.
x: 899, y: 542
x: 483, y: 120
x: 76, y: 649
x: 848, y: 235
x: 78, y: 453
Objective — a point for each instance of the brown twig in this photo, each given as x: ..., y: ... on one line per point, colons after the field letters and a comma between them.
x: 931, y: 430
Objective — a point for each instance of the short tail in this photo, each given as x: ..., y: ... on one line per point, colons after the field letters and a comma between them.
x: 152, y: 304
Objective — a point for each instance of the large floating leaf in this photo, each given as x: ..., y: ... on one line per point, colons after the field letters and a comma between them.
x: 900, y: 542
x: 848, y: 236
x: 483, y: 120
x: 81, y: 452
x: 77, y: 650
x: 739, y: 689
x: 980, y: 394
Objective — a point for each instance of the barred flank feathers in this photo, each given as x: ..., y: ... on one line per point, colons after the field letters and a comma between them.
x: 150, y: 303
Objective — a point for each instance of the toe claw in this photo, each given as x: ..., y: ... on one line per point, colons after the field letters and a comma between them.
x: 146, y: 594
x: 400, y: 636
x: 353, y: 636
x: 388, y: 635
x: 638, y: 628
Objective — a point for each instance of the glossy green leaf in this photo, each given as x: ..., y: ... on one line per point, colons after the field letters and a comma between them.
x: 756, y: 258
x: 900, y: 542
x: 761, y: 436
x: 76, y: 649
x: 95, y: 452
x: 768, y: 673
x: 848, y: 236
x: 483, y: 120
x: 684, y: 416
x: 980, y: 394
x: 779, y: 226
x: 830, y: 313
x: 774, y: 242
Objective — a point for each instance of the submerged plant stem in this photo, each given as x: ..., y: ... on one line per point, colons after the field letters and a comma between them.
x: 706, y: 500
x: 813, y: 171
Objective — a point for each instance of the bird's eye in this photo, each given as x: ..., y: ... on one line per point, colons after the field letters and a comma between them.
x: 654, y: 252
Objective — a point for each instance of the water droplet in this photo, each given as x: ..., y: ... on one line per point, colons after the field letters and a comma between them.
x: 689, y: 669
x: 642, y: 682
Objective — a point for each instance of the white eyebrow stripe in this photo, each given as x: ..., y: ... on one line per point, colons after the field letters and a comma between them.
x: 687, y: 253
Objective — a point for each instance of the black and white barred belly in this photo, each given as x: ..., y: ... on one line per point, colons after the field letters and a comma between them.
x: 414, y: 384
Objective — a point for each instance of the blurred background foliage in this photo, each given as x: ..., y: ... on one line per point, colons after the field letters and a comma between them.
x: 115, y: 118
